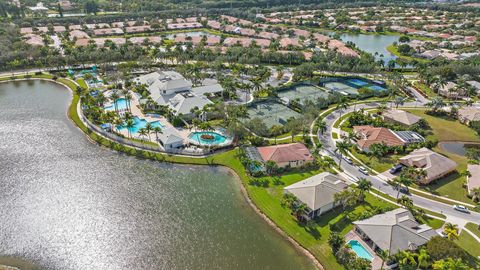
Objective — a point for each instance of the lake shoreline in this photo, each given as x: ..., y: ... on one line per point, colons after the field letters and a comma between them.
x: 73, y: 103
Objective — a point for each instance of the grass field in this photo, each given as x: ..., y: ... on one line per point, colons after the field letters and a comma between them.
x: 467, y: 242
x: 378, y: 164
x: 449, y: 130
x: 473, y: 228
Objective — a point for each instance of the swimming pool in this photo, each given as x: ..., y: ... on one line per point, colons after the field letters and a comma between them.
x: 360, y: 250
x: 207, y: 138
x: 139, y: 124
x: 121, y: 105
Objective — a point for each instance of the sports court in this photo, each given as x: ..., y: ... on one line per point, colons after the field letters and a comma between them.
x: 302, y: 92
x: 271, y: 112
x: 341, y: 88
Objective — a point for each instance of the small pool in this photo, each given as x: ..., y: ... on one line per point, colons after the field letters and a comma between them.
x: 121, y: 105
x: 200, y: 138
x: 139, y: 124
x: 360, y: 250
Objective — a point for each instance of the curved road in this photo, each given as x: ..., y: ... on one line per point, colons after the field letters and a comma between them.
x: 354, y: 174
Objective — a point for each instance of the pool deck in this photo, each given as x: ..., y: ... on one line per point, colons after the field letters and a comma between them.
x: 377, y: 261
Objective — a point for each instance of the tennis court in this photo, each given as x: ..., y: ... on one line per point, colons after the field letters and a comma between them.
x: 271, y: 112
x: 341, y: 88
x: 302, y: 92
x: 358, y: 82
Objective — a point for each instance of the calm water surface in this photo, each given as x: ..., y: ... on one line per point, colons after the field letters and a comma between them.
x: 68, y: 204
x: 372, y: 44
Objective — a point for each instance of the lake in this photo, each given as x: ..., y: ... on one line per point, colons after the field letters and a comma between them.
x: 69, y: 204
x: 372, y: 43
x: 457, y: 148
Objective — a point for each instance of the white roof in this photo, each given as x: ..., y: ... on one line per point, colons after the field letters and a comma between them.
x: 400, y: 116
x: 183, y: 103
x: 170, y: 136
x: 318, y: 190
x: 208, y: 89
x: 434, y: 164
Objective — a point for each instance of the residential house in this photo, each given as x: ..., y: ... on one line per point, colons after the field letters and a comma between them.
x: 78, y: 34
x: 138, y: 29
x: 451, y: 90
x: 475, y: 85
x: 393, y: 231
x: 318, y: 193
x: 141, y: 40
x: 400, y: 117
x: 34, y: 40
x: 107, y: 31
x: 434, y: 164
x: 468, y: 114
x: 286, y: 155
x: 473, y: 179
x: 369, y: 135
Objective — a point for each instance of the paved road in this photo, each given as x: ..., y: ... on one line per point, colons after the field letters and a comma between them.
x: 352, y: 171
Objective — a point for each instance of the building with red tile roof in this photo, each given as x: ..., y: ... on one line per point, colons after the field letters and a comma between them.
x: 369, y: 135
x: 286, y: 155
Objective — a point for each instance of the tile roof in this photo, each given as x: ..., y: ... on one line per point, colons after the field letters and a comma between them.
x: 401, y: 116
x: 285, y: 153
x: 371, y: 135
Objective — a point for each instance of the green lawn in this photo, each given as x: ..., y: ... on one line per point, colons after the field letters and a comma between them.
x: 425, y: 89
x: 393, y: 50
x: 378, y: 164
x: 449, y: 130
x: 467, y: 242
x: 473, y: 228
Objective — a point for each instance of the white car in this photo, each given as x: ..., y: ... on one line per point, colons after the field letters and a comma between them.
x: 461, y: 208
x: 348, y: 160
x: 363, y: 170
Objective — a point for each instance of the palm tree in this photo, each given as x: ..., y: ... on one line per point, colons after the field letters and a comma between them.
x: 157, y: 130
x: 114, y: 97
x: 342, y: 148
x: 321, y: 125
x: 364, y: 185
x: 384, y: 256
x: 128, y: 98
x: 451, y: 230
x: 342, y: 105
x: 149, y: 128
x: 402, y: 180
x: 398, y: 101
x: 450, y: 264
x: 276, y: 130
x: 405, y: 201
x: 143, y: 133
x: 407, y: 259
x: 423, y: 258
x: 129, y: 125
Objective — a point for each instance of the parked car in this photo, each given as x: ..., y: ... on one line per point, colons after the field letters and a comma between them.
x: 396, y: 168
x: 363, y: 170
x: 461, y: 208
x: 348, y: 160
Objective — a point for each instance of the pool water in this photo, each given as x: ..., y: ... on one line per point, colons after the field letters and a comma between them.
x: 139, y: 124
x: 377, y: 88
x: 121, y: 105
x: 360, y: 250
x: 217, y: 138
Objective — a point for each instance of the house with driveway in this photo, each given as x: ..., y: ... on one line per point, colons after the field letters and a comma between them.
x: 434, y: 164
x: 318, y: 193
x: 466, y: 115
x: 393, y: 232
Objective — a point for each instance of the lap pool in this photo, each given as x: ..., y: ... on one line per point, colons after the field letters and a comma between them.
x: 360, y: 250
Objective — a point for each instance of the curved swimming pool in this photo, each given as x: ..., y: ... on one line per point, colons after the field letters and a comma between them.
x: 207, y: 138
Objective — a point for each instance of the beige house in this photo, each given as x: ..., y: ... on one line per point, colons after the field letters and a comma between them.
x: 286, y: 155
x: 400, y: 117
x: 468, y: 114
x: 435, y: 165
x: 473, y: 180
x: 450, y: 90
x: 318, y: 192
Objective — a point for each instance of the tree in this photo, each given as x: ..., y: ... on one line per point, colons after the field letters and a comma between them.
x: 407, y: 260
x: 423, y: 257
x: 342, y: 148
x: 451, y: 230
x: 321, y: 125
x: 384, y: 256
x: 129, y: 125
x: 405, y: 201
x: 336, y: 241
x: 149, y: 129
x: 276, y: 130
x: 157, y: 130
x: 142, y: 132
x: 91, y: 7
x: 347, y: 198
x: 450, y: 264
x: 364, y: 186
x: 271, y: 167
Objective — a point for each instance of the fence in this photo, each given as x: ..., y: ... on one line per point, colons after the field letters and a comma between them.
x: 124, y: 141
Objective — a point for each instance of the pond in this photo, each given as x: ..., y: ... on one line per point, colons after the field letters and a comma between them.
x: 372, y: 43
x: 69, y: 204
x: 457, y: 148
